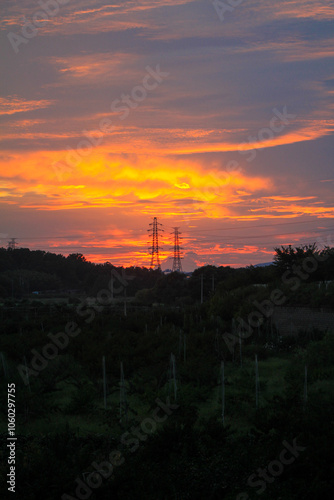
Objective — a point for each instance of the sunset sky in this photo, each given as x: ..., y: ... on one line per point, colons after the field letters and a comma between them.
x: 218, y: 121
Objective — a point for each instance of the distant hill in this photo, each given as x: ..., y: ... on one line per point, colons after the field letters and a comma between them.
x: 264, y: 264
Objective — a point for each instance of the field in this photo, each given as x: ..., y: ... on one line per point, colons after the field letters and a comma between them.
x: 171, y: 359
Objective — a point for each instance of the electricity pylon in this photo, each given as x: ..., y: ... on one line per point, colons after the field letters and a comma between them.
x: 154, y: 248
x: 12, y: 243
x: 177, y: 266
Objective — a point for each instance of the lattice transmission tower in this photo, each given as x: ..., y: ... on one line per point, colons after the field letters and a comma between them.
x: 177, y: 266
x: 12, y: 243
x: 154, y: 248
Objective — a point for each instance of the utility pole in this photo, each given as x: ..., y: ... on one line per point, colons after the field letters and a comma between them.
x: 125, y: 302
x: 202, y: 288
x: 112, y: 287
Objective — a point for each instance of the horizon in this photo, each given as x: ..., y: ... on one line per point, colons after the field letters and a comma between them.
x: 164, y: 266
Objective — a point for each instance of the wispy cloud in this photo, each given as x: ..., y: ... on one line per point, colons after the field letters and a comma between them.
x: 14, y: 104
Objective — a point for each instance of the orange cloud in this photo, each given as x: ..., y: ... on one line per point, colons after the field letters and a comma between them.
x: 14, y: 104
x: 97, y: 68
x: 304, y: 9
x: 180, y: 190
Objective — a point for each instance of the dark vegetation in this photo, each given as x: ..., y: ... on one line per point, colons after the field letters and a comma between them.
x: 63, y: 426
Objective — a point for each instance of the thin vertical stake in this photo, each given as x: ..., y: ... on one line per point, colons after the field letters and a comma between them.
x: 223, y: 391
x: 305, y: 385
x: 123, y: 408
x: 256, y: 382
x: 25, y: 363
x: 184, y: 347
x: 240, y: 345
x: 4, y: 365
x: 104, y: 382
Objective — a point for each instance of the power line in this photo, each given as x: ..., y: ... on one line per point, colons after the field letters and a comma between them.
x: 251, y: 227
x: 268, y: 234
x: 139, y: 232
x: 216, y: 237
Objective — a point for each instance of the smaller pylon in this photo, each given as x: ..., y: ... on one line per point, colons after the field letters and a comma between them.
x: 12, y: 243
x: 177, y: 266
